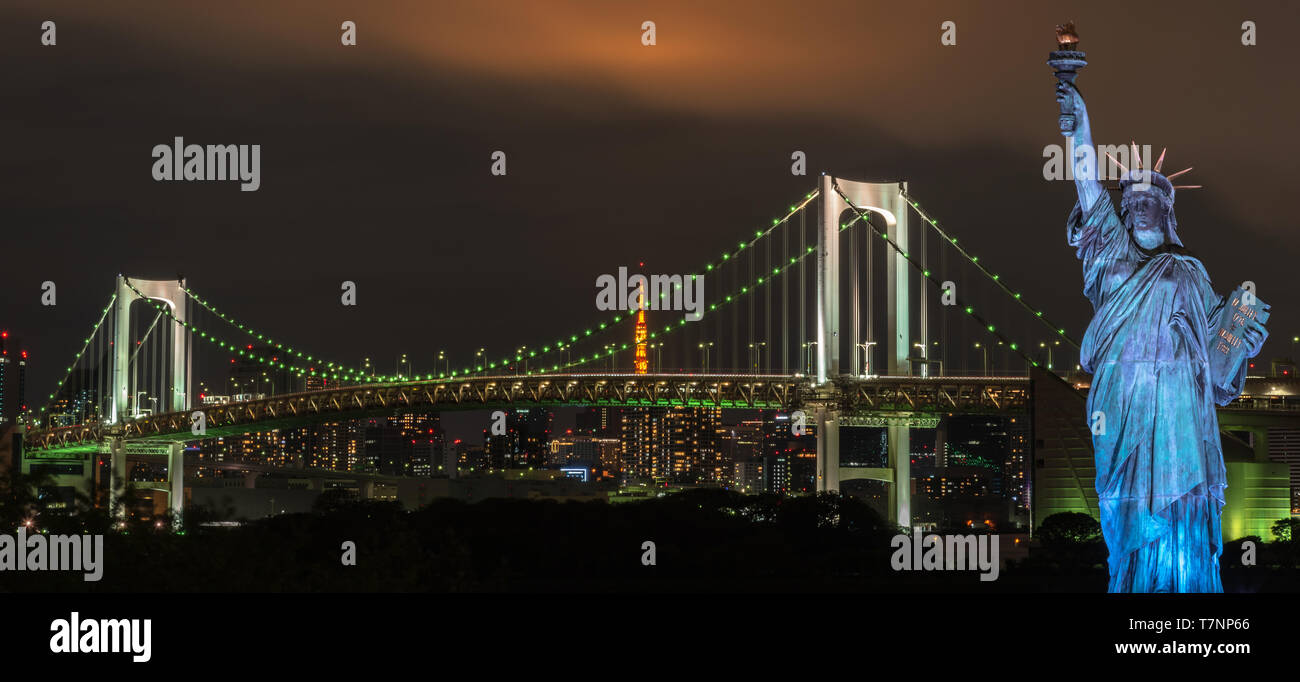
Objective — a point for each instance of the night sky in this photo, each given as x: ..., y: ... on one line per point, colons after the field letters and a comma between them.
x: 375, y: 158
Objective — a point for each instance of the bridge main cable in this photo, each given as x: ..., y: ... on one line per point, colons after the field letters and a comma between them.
x: 94, y: 330
x: 252, y: 333
x: 974, y: 260
x: 560, y: 345
x: 273, y: 362
x: 736, y: 294
x: 970, y: 310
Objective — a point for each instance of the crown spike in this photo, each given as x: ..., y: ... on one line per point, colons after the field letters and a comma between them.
x: 1137, y: 160
x: 1171, y: 177
x: 1116, y: 161
x: 1161, y: 159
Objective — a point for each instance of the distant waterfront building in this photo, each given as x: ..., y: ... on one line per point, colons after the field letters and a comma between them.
x: 671, y: 444
x: 13, y: 381
x: 692, y: 443
x: 748, y: 478
x: 582, y: 450
x: 776, y: 474
x: 525, y: 442
x: 600, y: 421
x: 643, y: 439
x: 252, y: 373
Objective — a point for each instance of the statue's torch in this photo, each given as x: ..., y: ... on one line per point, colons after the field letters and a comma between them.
x: 1066, y: 61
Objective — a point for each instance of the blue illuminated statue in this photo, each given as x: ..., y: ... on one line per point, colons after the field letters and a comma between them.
x: 1149, y: 347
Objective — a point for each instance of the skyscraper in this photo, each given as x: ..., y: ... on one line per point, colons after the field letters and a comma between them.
x: 692, y: 447
x: 643, y: 439
x: 13, y: 380
x: 525, y: 443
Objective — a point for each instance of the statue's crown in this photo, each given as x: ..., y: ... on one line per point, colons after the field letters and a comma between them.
x: 1150, y: 178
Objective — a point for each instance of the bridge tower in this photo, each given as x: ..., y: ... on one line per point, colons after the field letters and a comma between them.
x: 886, y: 200
x: 172, y: 293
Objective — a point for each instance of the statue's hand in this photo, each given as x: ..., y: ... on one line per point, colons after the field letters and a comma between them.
x: 1067, y: 91
x: 1254, y: 334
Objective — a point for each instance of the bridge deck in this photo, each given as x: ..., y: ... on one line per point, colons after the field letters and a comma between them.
x: 851, y: 395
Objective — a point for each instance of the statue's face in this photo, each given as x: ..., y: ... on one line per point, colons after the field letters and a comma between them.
x: 1146, y: 220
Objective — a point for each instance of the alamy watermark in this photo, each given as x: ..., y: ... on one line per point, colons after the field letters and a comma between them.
x: 946, y: 553
x: 665, y: 292
x: 180, y: 161
x: 1104, y: 162
x: 41, y: 552
x: 76, y: 635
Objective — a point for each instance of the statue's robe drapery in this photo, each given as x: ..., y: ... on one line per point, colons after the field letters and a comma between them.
x: 1160, y: 473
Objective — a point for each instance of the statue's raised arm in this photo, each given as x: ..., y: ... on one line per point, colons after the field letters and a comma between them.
x: 1085, y: 163
x: 1066, y: 60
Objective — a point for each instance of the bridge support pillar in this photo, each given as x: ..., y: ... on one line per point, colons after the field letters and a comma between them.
x: 116, y: 446
x: 828, y: 450
x: 899, y: 454
x: 176, y: 482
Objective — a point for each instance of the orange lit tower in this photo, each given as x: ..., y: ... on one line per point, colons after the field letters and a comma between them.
x: 642, y: 361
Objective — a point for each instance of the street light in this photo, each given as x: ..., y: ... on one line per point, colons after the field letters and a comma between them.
x: 658, y: 349
x: 986, y: 356
x: 1049, y: 351
x: 808, y: 351
x: 866, y: 357
x: 704, y: 351
x: 754, y: 350
x: 478, y: 367
x: 925, y: 365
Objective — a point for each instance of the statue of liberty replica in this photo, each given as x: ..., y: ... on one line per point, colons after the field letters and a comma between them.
x: 1163, y: 349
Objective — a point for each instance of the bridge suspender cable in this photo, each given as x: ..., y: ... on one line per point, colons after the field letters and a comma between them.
x: 252, y: 333
x: 94, y: 330
x: 561, y: 344
x: 228, y: 346
x: 989, y: 327
x: 140, y: 344
x: 974, y: 260
x: 738, y: 293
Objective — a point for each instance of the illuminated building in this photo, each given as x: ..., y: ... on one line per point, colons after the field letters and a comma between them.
x: 597, y: 454
x: 692, y: 450
x: 250, y: 377
x: 643, y: 439
x: 525, y: 442
x: 603, y: 422
x: 748, y: 477
x: 776, y: 474
x: 13, y: 381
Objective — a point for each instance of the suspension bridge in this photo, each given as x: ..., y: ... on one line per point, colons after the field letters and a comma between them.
x: 852, y: 322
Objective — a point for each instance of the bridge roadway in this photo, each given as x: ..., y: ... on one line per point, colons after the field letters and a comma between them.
x: 878, y: 397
